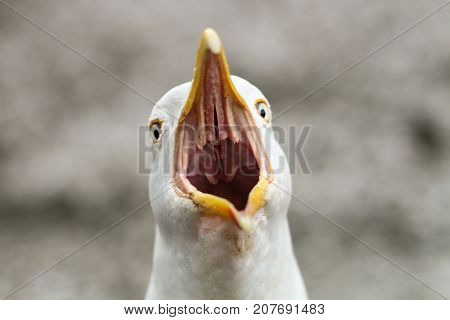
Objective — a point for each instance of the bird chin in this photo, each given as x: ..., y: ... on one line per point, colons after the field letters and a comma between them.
x: 220, y: 161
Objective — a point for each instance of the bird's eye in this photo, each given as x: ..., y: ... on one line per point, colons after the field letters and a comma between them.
x: 263, y: 110
x: 155, y: 130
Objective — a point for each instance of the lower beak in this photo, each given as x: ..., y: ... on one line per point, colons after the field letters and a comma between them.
x: 222, y: 120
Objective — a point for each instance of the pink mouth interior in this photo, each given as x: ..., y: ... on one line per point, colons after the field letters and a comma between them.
x: 218, y: 151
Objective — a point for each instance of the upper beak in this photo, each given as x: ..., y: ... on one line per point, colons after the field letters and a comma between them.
x: 210, y: 50
x: 211, y: 68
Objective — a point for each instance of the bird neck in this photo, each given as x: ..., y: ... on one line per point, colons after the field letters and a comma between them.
x: 221, y: 262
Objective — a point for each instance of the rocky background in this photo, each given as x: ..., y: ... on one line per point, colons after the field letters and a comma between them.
x: 378, y: 150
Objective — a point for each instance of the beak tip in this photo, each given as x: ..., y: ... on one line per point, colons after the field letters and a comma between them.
x: 212, y: 40
x: 246, y: 223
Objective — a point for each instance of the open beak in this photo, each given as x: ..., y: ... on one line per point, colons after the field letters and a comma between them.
x: 220, y: 161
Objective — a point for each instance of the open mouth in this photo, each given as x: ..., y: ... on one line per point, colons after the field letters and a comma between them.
x: 220, y: 162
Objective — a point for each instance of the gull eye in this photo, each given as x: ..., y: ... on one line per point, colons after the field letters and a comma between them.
x: 263, y: 110
x: 155, y: 130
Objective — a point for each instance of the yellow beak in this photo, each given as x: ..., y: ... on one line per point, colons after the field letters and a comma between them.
x: 210, y: 47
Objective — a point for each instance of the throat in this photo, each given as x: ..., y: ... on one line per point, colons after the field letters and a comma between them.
x: 225, y: 263
x: 227, y: 170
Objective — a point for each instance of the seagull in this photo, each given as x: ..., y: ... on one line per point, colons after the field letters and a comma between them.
x: 219, y: 187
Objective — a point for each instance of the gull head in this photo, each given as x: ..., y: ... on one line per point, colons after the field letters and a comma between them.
x: 215, y: 161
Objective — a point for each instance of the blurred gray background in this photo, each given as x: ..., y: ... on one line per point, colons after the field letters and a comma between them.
x: 378, y: 151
